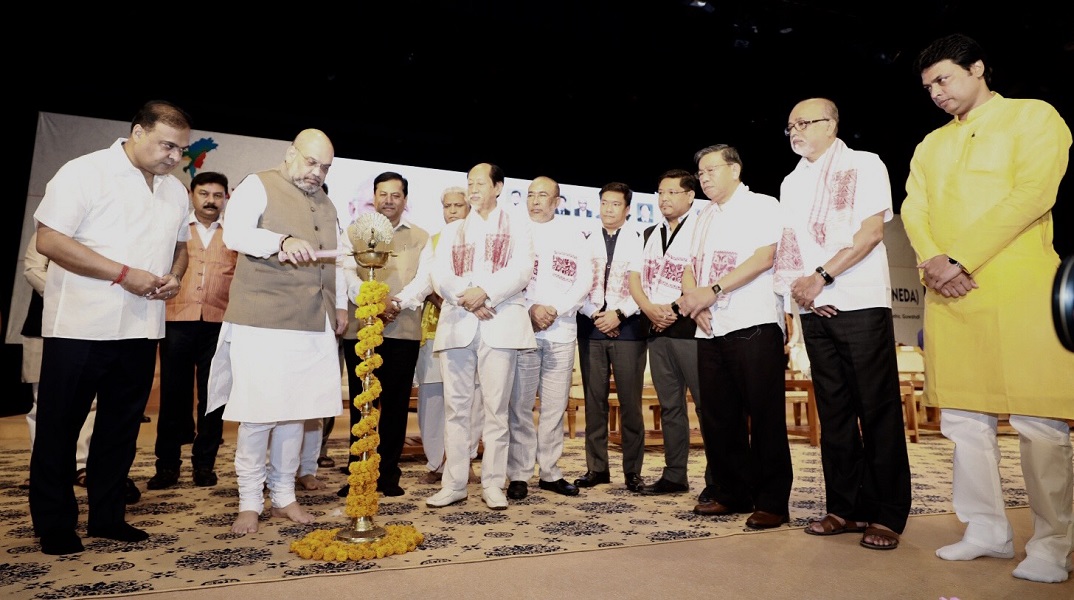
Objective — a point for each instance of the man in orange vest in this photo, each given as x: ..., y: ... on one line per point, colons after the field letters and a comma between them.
x: 192, y: 327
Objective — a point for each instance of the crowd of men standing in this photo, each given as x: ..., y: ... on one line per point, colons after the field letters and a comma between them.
x: 701, y: 297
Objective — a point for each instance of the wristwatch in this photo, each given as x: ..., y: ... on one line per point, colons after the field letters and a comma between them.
x: 620, y: 314
x: 828, y: 279
x: 717, y: 289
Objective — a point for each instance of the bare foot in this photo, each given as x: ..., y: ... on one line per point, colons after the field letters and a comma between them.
x: 309, y: 482
x: 246, y: 522
x: 294, y: 512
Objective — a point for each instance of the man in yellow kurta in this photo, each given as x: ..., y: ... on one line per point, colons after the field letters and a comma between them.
x: 978, y: 214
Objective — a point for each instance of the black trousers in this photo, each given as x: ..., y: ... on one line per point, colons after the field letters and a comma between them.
x: 396, y: 377
x: 185, y: 355
x: 743, y: 410
x: 862, y: 440
x: 120, y: 374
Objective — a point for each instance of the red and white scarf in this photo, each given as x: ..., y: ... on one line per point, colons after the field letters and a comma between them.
x: 829, y: 218
x: 721, y: 262
x: 497, y: 247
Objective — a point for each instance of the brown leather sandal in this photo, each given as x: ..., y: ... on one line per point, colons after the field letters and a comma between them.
x: 80, y: 478
x: 880, y: 532
x: 830, y: 525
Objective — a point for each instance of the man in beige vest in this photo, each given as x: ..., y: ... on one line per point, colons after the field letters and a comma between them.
x: 402, y: 331
x: 191, y: 332
x: 277, y: 362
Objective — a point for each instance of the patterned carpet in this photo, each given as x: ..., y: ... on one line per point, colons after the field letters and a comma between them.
x: 191, y: 544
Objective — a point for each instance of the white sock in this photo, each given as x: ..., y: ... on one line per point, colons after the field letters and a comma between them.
x: 1037, y: 569
x: 963, y: 550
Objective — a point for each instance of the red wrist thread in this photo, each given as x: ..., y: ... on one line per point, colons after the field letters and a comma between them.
x: 122, y: 275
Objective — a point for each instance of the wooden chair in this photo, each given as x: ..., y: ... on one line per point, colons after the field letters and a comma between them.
x: 911, y: 366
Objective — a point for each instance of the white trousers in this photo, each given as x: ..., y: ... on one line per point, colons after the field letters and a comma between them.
x: 311, y: 447
x: 1046, y: 457
x: 545, y: 370
x: 431, y: 423
x: 282, y: 442
x: 463, y: 370
x: 82, y: 447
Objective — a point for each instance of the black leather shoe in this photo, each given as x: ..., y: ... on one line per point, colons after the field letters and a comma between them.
x: 123, y: 532
x: 131, y: 493
x: 559, y: 486
x: 634, y: 482
x: 517, y: 490
x: 663, y: 486
x: 204, y: 477
x: 715, y: 508
x: 163, y: 479
x: 344, y: 491
x: 61, y: 542
x: 592, y: 478
x: 765, y: 520
x: 707, y: 495
x: 391, y: 489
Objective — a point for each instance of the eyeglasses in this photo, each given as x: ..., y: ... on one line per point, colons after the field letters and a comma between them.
x: 669, y: 192
x: 800, y: 126
x: 711, y: 171
x: 313, y: 164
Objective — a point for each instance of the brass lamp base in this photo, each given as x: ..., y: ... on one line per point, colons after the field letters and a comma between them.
x: 372, y: 259
x: 364, y: 530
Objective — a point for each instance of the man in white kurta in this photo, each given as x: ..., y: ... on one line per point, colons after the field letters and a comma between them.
x: 419, y: 295
x: 728, y: 289
x: 480, y: 268
x: 277, y: 362
x: 561, y: 280
x: 833, y: 264
x: 111, y: 224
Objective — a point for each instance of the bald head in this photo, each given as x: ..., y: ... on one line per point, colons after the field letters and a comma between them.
x: 812, y: 127
x: 308, y: 159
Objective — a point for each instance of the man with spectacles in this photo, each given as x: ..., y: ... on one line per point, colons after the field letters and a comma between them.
x: 832, y: 266
x: 655, y: 284
x: 561, y: 280
x: 611, y: 342
x: 402, y: 331
x: 727, y: 290
x: 277, y: 362
x: 982, y: 229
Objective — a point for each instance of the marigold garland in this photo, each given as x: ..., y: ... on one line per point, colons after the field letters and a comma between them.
x: 362, y: 499
x: 323, y: 545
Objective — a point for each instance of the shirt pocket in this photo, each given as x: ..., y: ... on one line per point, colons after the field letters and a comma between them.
x: 989, y: 154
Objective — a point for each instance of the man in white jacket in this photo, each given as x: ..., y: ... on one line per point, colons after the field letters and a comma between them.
x: 480, y: 268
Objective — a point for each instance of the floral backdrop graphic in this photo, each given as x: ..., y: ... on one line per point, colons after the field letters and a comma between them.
x: 191, y: 545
